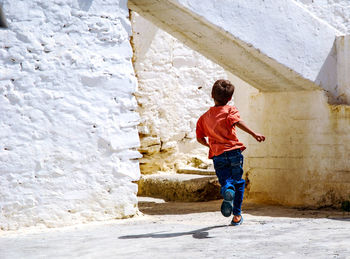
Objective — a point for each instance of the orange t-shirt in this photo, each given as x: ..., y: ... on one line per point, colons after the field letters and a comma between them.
x: 218, y: 124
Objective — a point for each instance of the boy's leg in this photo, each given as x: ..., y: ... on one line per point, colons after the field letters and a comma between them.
x: 237, y: 205
x: 229, y: 185
x: 238, y: 182
x: 223, y: 172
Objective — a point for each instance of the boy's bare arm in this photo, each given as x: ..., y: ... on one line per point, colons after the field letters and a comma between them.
x: 245, y: 128
x: 203, y: 141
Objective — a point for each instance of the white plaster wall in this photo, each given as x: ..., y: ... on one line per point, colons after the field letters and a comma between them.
x: 67, y: 117
x: 174, y: 89
x: 335, y: 12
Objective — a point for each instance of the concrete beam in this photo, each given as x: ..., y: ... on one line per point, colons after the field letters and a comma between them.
x: 272, y: 45
x: 342, y: 91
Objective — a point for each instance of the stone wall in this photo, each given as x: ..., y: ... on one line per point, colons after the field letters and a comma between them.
x: 67, y: 117
x: 174, y: 90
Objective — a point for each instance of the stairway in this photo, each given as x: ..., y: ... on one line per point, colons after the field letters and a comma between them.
x: 272, y: 45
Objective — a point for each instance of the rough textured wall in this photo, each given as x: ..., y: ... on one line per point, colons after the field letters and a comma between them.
x: 306, y: 158
x: 68, y: 125
x: 335, y: 12
x: 174, y: 90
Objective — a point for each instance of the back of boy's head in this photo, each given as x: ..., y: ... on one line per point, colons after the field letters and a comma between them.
x: 222, y: 91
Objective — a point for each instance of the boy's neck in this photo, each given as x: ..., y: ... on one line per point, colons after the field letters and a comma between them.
x: 219, y: 104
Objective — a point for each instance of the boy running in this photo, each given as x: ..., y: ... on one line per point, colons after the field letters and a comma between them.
x: 218, y: 124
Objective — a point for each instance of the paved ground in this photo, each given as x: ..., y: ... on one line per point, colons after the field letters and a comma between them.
x: 191, y: 230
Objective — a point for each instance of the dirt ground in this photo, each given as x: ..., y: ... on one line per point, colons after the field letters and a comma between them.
x: 191, y: 230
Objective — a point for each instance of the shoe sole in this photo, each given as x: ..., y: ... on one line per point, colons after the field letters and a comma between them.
x: 226, y: 208
x: 227, y: 204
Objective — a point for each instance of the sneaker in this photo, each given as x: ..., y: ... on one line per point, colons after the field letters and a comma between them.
x: 227, y: 204
x: 237, y: 223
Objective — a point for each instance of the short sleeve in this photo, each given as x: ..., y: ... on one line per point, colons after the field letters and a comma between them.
x: 233, y: 116
x: 199, y: 129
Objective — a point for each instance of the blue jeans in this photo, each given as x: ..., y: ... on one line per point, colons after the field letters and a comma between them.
x: 229, y: 170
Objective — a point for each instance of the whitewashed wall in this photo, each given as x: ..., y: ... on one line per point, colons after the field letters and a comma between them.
x: 68, y: 121
x: 67, y: 117
x: 334, y: 12
x: 174, y: 90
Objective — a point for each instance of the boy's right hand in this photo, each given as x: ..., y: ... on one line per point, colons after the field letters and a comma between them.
x: 259, y: 137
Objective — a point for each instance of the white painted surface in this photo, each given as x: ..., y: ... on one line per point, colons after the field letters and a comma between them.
x: 281, y: 30
x: 174, y: 90
x: 335, y: 12
x: 68, y: 126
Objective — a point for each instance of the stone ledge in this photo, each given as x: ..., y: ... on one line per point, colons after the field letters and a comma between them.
x: 179, y: 187
x: 196, y: 171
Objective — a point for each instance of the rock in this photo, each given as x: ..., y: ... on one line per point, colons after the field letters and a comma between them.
x: 179, y: 187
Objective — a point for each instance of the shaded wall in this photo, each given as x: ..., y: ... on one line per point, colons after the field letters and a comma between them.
x: 305, y: 160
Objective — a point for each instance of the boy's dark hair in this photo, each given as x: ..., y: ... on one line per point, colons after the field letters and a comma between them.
x: 222, y: 91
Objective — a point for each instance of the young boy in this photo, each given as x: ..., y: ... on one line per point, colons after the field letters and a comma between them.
x: 218, y: 125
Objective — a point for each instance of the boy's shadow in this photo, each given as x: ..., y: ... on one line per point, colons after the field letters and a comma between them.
x: 198, y: 234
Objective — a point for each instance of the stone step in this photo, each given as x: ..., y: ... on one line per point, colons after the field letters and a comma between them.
x: 179, y: 187
x: 195, y: 171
